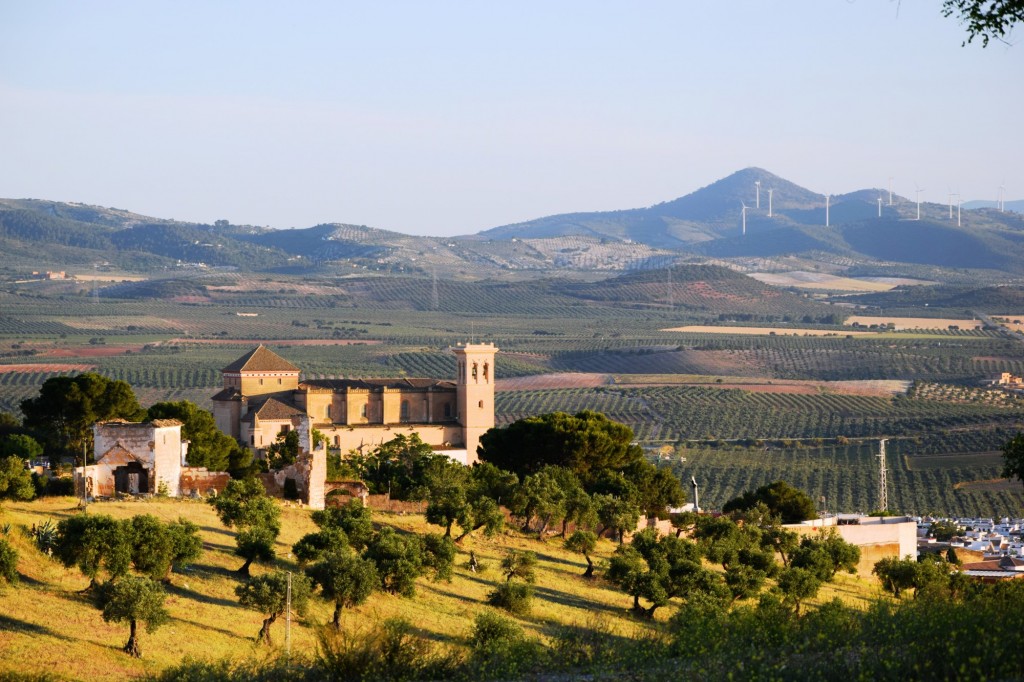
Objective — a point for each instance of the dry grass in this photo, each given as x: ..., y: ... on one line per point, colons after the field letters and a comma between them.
x: 914, y: 322
x: 47, y: 627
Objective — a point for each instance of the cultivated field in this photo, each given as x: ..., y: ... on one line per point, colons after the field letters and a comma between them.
x: 764, y: 331
x: 825, y: 282
x: 914, y: 322
x: 746, y: 366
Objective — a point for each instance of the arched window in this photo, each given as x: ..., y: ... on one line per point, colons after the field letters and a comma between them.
x: 480, y: 404
x: 362, y: 411
x: 474, y: 372
x: 403, y: 411
x: 487, y: 373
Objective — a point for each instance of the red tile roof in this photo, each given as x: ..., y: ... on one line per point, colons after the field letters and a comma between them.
x: 261, y: 359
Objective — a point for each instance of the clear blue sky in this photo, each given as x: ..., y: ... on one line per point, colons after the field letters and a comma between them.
x: 451, y: 117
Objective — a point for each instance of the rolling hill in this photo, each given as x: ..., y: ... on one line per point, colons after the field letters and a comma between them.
x: 785, y: 220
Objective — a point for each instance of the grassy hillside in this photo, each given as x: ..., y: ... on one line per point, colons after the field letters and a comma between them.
x: 48, y: 627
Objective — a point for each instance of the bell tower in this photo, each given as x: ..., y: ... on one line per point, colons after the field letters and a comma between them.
x: 475, y: 392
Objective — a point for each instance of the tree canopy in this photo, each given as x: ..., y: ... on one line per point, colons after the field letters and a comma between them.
x: 344, y: 578
x: 792, y: 504
x: 20, y: 445
x: 985, y: 19
x: 15, y: 479
x: 587, y: 443
x: 208, y: 446
x: 133, y: 599
x: 244, y: 505
x: 67, y: 407
x: 268, y: 594
x: 1013, y: 458
x: 395, y: 467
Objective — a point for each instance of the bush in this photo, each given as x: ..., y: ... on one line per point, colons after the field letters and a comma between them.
x: 8, y: 562
x: 501, y: 649
x: 381, y: 651
x: 593, y: 644
x: 513, y: 596
x: 58, y: 486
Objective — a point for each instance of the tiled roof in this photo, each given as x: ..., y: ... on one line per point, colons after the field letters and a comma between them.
x: 369, y: 384
x: 261, y: 359
x: 273, y: 408
x: 166, y: 422
x: 227, y: 394
x: 118, y: 453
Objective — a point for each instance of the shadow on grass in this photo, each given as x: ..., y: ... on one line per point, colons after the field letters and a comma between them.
x: 558, y: 560
x: 213, y: 628
x: 566, y: 599
x: 434, y: 636
x: 452, y: 594
x: 29, y: 580
x: 221, y: 531
x: 187, y: 593
x: 15, y: 625
x: 217, y: 547
x: 217, y: 570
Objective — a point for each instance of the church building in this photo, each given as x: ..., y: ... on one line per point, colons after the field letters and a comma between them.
x: 264, y: 395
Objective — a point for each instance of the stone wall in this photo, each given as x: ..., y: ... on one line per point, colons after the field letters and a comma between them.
x: 198, y: 481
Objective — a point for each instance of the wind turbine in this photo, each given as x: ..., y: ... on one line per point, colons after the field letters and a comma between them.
x: 919, y: 190
x: 770, y: 191
x: 744, y: 213
x: 1002, y: 188
x: 890, y: 190
x: 958, y: 209
x: 950, y: 203
x: 826, y: 209
x: 879, y: 205
x: 757, y: 183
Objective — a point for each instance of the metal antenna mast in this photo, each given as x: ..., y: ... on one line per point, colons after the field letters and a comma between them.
x: 883, y: 494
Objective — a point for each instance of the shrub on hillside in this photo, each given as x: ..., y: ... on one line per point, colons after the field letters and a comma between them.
x: 513, y: 596
x: 8, y: 562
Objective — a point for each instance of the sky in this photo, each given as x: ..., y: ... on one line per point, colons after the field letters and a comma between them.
x: 447, y: 118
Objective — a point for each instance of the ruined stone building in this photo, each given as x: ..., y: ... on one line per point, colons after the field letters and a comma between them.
x: 143, y: 458
x: 264, y: 395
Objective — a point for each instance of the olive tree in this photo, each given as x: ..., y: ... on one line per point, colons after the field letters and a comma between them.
x: 344, y: 578
x: 133, y: 599
x: 245, y: 505
x: 269, y: 594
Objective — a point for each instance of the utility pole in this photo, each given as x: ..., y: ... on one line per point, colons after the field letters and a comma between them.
x: 85, y: 487
x: 883, y: 493
x: 288, y: 619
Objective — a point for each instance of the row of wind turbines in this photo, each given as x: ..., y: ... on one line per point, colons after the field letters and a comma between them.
x: 828, y: 197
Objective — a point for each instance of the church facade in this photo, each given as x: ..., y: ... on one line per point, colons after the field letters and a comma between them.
x: 264, y: 395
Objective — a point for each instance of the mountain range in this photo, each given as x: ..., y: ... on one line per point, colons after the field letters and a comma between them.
x: 745, y: 218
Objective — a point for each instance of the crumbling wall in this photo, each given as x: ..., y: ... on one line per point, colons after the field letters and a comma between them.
x: 309, y: 470
x: 199, y: 481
